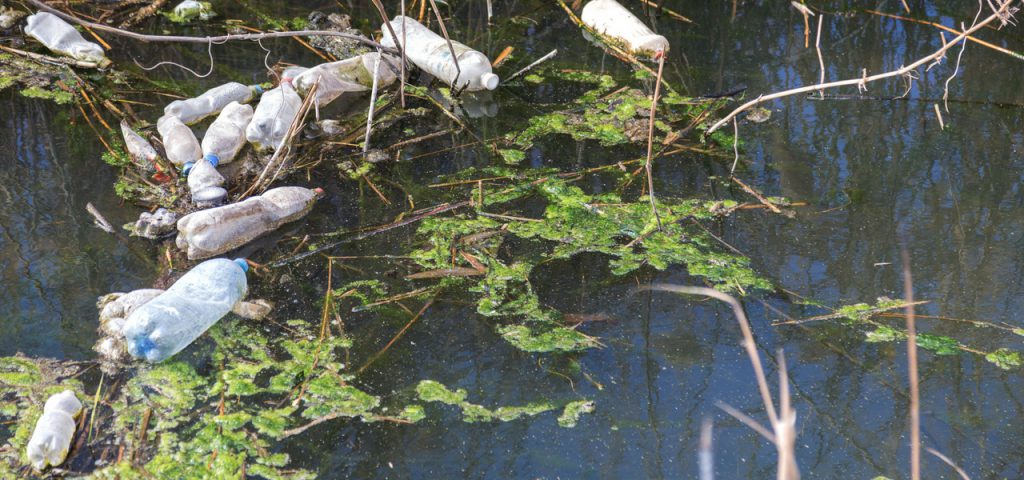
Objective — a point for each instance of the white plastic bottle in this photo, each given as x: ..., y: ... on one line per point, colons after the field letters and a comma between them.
x: 206, y: 233
x: 430, y: 52
x: 211, y: 102
x: 51, y: 438
x: 205, y: 183
x: 610, y: 18
x: 273, y: 117
x: 350, y: 75
x: 140, y: 150
x: 61, y: 37
x: 180, y: 143
x: 174, y: 319
x: 226, y: 135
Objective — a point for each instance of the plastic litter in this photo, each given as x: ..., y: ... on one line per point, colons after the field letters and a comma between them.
x: 226, y: 135
x: 273, y: 117
x: 206, y: 233
x: 211, y: 102
x: 430, y: 52
x: 180, y: 144
x: 61, y: 37
x: 141, y: 152
x: 351, y: 75
x: 155, y: 225
x: 610, y: 18
x: 174, y: 319
x: 9, y: 17
x: 191, y: 9
x: 205, y: 183
x: 51, y: 438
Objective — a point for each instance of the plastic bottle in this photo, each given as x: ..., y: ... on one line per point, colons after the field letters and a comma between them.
x: 206, y: 233
x: 211, y: 102
x: 174, y: 319
x: 205, y: 183
x: 226, y: 135
x: 610, y: 18
x: 430, y: 52
x: 191, y: 9
x: 180, y: 144
x: 51, y: 438
x: 142, y: 152
x: 273, y: 117
x: 351, y: 75
x: 61, y: 37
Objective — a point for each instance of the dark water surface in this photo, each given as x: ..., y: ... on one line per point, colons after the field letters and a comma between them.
x: 872, y: 172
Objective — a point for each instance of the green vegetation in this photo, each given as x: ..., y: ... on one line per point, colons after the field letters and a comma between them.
x: 432, y: 391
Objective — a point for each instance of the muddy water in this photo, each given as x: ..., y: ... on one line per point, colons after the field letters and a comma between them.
x: 873, y: 172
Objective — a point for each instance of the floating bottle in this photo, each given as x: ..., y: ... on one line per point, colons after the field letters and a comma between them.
x: 174, y: 319
x: 206, y: 233
x: 610, y: 18
x: 142, y: 153
x: 211, y: 102
x: 430, y: 52
x: 61, y: 37
x: 226, y: 135
x: 51, y: 438
x: 273, y: 117
x: 205, y: 183
x: 351, y: 75
x: 180, y: 143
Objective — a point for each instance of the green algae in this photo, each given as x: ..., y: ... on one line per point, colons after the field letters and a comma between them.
x: 56, y: 95
x: 1005, y: 359
x: 551, y: 339
x: 573, y: 411
x: 19, y: 372
x: 433, y: 391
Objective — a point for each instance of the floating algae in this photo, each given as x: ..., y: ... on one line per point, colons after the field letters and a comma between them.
x: 433, y: 391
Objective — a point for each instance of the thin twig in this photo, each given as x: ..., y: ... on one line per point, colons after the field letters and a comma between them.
x: 451, y: 48
x: 373, y: 104
x: 817, y: 47
x: 528, y: 67
x: 705, y: 453
x: 915, y: 402
x: 959, y: 471
x: 396, y: 337
x: 650, y: 139
x: 983, y: 43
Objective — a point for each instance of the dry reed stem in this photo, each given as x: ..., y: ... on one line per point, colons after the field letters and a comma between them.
x: 283, y: 150
x: 959, y: 471
x: 650, y: 140
x: 400, y: 45
x: 705, y: 453
x: 527, y: 68
x: 938, y: 114
x: 915, y: 401
x: 821, y: 59
x: 396, y: 337
x: 1000, y: 14
x: 451, y: 48
x: 950, y: 30
x: 373, y: 104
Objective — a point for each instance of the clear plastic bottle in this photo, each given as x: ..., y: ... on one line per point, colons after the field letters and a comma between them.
x: 205, y: 183
x: 51, y: 438
x: 180, y: 143
x: 430, y: 52
x: 226, y: 135
x: 351, y: 75
x: 206, y: 233
x: 211, y: 102
x: 61, y: 37
x: 273, y: 117
x: 610, y: 18
x: 141, y: 151
x: 174, y: 319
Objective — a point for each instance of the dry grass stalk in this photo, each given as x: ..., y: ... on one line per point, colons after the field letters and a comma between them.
x: 1003, y: 15
x: 283, y: 150
x: 950, y: 30
x: 650, y: 139
x: 451, y: 48
x: 915, y: 400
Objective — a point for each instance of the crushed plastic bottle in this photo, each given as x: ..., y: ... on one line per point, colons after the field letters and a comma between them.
x: 174, y: 319
x: 180, y: 143
x: 211, y: 102
x: 154, y: 225
x: 430, y: 52
x: 610, y: 18
x: 205, y: 183
x: 351, y: 75
x: 226, y: 135
x: 142, y: 153
x: 51, y: 438
x: 61, y: 37
x: 273, y: 117
x: 206, y: 233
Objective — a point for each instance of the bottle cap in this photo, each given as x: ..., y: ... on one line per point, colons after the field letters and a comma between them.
x: 212, y: 158
x: 242, y: 263
x: 187, y: 167
x: 319, y: 192
x: 258, y: 89
x: 489, y: 80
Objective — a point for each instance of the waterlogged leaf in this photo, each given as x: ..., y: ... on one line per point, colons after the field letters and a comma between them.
x: 938, y: 344
x: 885, y: 334
x: 1005, y: 359
x: 554, y: 339
x: 573, y: 411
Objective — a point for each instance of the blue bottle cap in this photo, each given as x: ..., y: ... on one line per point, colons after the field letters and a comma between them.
x: 242, y: 263
x: 212, y: 158
x: 187, y: 167
x: 259, y: 89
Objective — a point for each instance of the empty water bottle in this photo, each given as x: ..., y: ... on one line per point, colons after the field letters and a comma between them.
x: 211, y: 102
x: 211, y: 232
x: 609, y: 18
x: 51, y: 438
x: 226, y: 135
x: 351, y: 75
x: 273, y: 117
x: 61, y: 37
x: 174, y: 319
x: 430, y: 52
x: 205, y: 183
x: 142, y: 153
x: 180, y: 143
